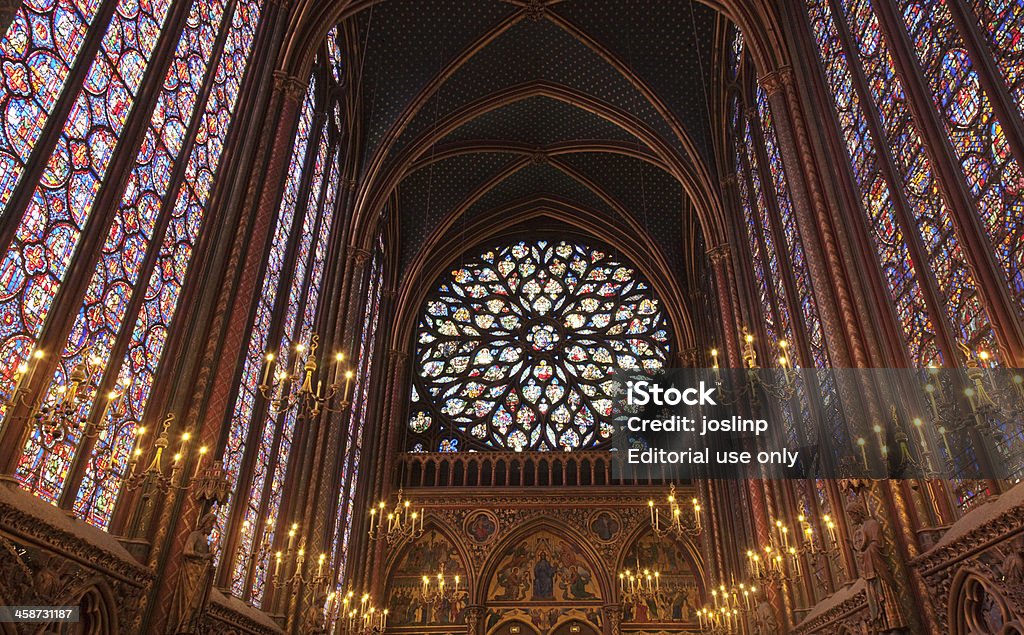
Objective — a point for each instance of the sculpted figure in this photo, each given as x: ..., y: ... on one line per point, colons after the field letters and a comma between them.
x: 868, y: 547
x: 193, y: 586
x: 764, y: 619
x: 1013, y: 564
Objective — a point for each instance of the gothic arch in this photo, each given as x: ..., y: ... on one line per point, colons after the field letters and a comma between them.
x: 505, y: 628
x: 493, y: 223
x: 97, y: 611
x: 693, y: 556
x: 978, y: 606
x: 564, y: 532
x: 446, y: 532
x: 696, y: 184
x: 760, y: 21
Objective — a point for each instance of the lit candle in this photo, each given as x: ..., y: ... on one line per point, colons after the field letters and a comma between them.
x: 348, y: 385
x: 199, y: 461
x: 930, y: 390
x: 945, y: 441
x: 320, y: 564
x: 267, y: 368
x: 291, y: 535
x: 863, y: 453
x: 338, y: 359
x: 277, y: 564
x: 184, y: 442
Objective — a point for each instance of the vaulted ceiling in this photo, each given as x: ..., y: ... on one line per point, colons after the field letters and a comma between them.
x: 473, y: 107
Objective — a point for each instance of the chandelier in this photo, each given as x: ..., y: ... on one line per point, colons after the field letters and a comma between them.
x: 639, y: 586
x: 440, y: 590
x: 677, y: 523
x: 397, y: 526
x: 351, y: 617
x: 287, y: 387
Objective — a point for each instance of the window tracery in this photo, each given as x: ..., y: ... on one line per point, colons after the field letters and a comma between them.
x: 517, y: 346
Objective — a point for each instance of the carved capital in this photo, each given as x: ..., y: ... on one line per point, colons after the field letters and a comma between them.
x: 350, y: 184
x: 719, y: 252
x: 396, y: 356
x: 776, y: 80
x: 613, y: 615
x: 358, y: 255
x: 729, y: 182
x: 292, y: 88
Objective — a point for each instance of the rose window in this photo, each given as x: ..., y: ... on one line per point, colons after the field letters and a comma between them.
x: 518, y: 348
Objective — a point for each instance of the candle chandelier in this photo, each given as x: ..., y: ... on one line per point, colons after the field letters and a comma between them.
x: 780, y: 559
x: 638, y: 586
x: 440, y: 588
x: 979, y: 404
x: 397, y: 526
x: 680, y: 522
x: 730, y: 610
x: 292, y: 385
x: 353, y: 614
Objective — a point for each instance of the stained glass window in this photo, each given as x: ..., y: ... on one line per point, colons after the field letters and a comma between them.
x: 62, y: 201
x: 892, y: 249
x: 517, y: 346
x: 246, y: 401
x: 945, y: 258
x: 977, y: 138
x: 147, y: 214
x: 358, y: 418
x: 36, y: 55
x: 1002, y: 22
x: 163, y: 200
x: 99, y: 320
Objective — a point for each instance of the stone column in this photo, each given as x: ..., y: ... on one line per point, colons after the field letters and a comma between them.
x: 612, y: 619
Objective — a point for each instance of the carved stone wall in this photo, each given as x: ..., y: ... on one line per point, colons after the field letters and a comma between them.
x: 975, y: 573
x: 50, y: 559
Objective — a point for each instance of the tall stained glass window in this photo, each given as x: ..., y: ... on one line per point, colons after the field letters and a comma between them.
x: 517, y: 346
x: 129, y: 301
x: 286, y: 324
x: 353, y: 437
x: 910, y: 209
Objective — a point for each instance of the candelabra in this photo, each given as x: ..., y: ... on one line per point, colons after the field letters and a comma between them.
x: 779, y: 561
x: 756, y: 380
x: 639, y: 585
x: 981, y: 408
x: 283, y: 392
x: 678, y: 524
x: 441, y: 590
x: 729, y: 609
x: 22, y: 379
x: 403, y: 524
x: 346, y: 616
x: 69, y: 410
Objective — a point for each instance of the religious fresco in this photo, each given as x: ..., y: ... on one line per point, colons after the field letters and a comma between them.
x: 481, y: 527
x: 543, y: 569
x: 407, y: 603
x: 605, y: 525
x: 677, y: 595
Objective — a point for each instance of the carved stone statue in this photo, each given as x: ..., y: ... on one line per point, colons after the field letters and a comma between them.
x: 868, y: 548
x: 764, y: 619
x: 193, y: 588
x: 1013, y: 564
